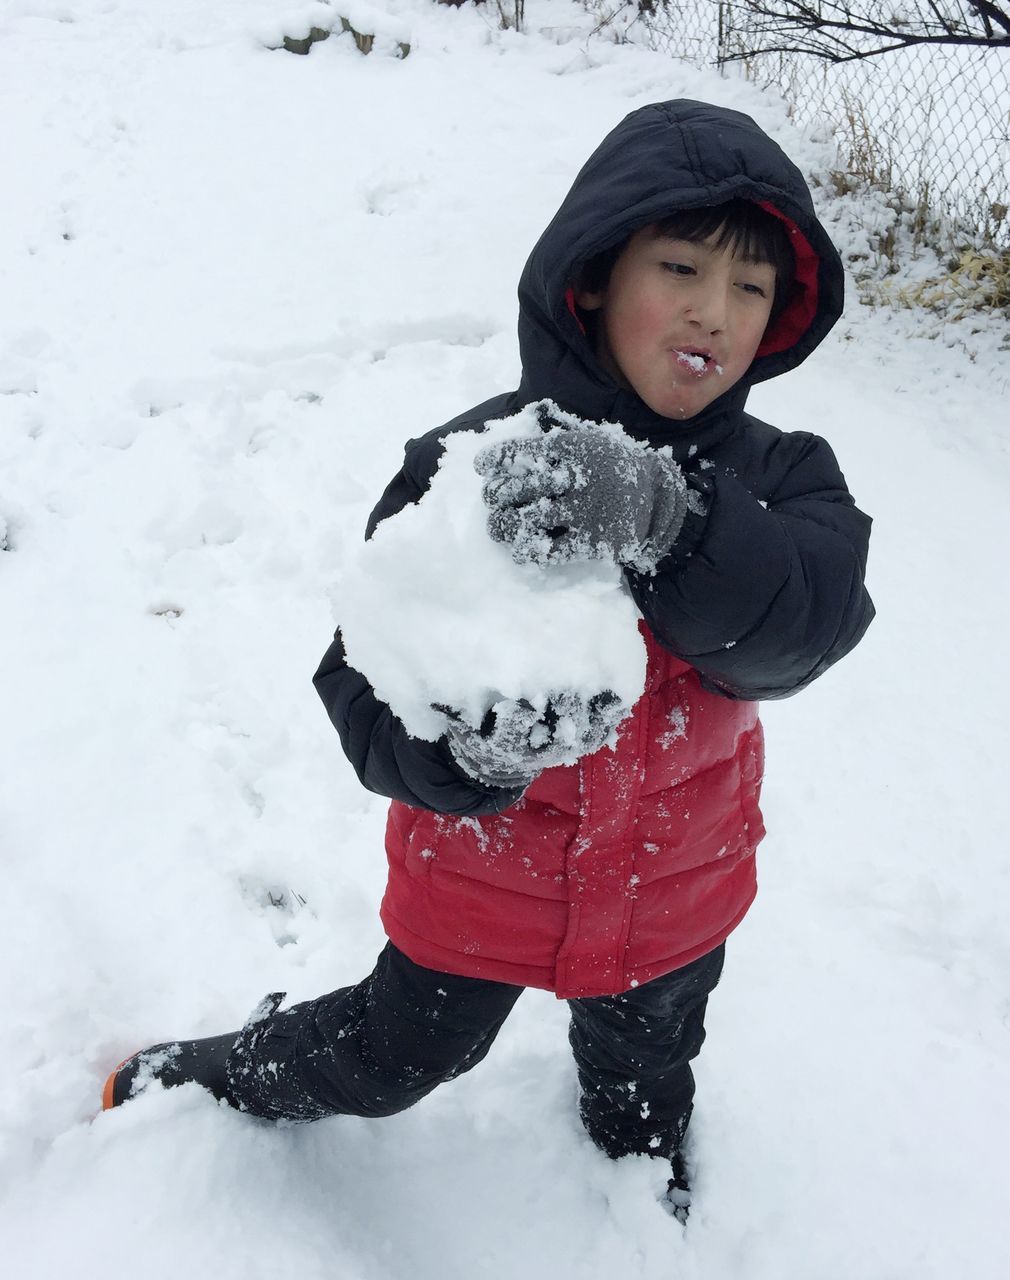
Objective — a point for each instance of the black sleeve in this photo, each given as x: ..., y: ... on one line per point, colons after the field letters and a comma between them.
x: 762, y: 597
x: 385, y: 757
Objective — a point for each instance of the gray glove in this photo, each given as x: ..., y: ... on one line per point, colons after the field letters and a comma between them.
x: 584, y: 493
x: 515, y: 742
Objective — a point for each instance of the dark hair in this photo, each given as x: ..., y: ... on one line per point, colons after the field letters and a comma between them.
x: 741, y: 226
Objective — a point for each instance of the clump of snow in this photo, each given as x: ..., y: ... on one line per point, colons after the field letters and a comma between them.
x: 436, y: 613
x: 697, y: 363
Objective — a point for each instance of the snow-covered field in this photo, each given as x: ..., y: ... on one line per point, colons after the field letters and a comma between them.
x: 232, y: 282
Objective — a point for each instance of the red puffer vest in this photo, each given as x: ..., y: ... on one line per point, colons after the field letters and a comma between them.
x: 607, y: 873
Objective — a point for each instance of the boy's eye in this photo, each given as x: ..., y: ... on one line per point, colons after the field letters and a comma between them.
x: 755, y: 289
x: 678, y: 268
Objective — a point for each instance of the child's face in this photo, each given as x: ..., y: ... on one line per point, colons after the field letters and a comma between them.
x: 680, y: 322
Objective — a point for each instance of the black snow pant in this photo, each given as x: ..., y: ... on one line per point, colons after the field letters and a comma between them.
x: 378, y: 1047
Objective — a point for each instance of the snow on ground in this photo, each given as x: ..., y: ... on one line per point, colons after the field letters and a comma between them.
x: 234, y: 281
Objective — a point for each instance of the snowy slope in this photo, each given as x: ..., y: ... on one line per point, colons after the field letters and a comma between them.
x: 233, y: 282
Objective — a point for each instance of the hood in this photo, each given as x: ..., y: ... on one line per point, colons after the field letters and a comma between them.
x: 661, y: 158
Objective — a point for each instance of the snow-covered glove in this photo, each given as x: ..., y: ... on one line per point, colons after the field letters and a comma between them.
x: 515, y: 742
x: 584, y: 493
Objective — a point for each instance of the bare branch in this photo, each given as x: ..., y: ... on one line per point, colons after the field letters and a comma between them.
x: 848, y: 30
x: 990, y: 13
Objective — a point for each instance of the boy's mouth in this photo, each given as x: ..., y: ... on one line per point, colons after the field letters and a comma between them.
x: 697, y: 360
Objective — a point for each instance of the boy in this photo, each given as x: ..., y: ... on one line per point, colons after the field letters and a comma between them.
x: 685, y: 265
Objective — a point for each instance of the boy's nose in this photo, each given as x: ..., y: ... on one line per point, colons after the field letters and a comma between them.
x: 709, y: 312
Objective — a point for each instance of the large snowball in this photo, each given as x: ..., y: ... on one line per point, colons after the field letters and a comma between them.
x: 433, y: 611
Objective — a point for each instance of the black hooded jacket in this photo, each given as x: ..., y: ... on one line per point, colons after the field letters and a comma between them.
x: 763, y: 590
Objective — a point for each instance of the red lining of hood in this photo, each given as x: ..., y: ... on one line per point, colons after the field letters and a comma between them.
x: 799, y: 315
x: 573, y: 308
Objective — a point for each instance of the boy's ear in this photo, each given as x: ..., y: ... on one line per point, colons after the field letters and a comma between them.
x: 588, y: 299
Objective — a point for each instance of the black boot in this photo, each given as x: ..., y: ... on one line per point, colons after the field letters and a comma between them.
x: 678, y: 1189
x: 203, y: 1062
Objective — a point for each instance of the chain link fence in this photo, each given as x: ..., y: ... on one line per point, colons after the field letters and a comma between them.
x: 929, y: 123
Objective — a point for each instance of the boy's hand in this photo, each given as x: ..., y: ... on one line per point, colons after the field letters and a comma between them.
x: 582, y: 494
x: 515, y: 742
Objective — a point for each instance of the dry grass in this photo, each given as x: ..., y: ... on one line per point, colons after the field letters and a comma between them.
x: 511, y: 14
x: 977, y: 279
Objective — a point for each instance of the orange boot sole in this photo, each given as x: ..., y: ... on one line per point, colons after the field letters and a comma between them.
x: 109, y: 1091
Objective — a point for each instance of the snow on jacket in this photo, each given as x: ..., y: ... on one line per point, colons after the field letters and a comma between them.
x: 640, y: 858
